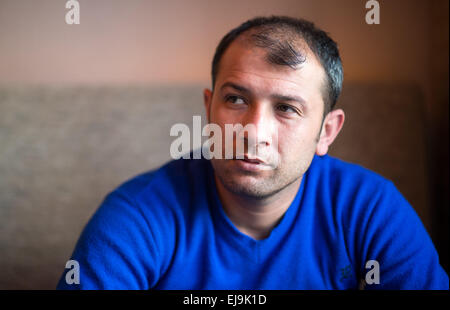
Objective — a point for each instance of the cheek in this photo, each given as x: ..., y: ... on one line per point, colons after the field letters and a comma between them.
x: 296, y: 142
x: 288, y: 144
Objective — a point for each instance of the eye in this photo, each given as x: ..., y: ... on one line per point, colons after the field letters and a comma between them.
x: 287, y: 108
x: 234, y: 100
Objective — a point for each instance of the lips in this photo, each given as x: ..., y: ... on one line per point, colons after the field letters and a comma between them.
x: 255, y: 161
x: 251, y: 165
x: 252, y: 161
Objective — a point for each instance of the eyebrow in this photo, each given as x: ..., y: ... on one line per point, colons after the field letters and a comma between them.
x: 279, y: 97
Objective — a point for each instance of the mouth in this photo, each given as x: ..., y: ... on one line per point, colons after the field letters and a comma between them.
x: 251, y: 160
x: 252, y: 163
x: 255, y: 161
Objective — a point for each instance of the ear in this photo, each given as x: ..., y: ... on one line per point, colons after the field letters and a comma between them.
x: 331, y: 126
x: 207, y: 100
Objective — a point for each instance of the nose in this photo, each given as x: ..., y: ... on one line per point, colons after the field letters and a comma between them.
x: 259, y: 118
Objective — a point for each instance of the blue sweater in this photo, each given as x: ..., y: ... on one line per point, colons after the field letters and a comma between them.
x: 166, y: 229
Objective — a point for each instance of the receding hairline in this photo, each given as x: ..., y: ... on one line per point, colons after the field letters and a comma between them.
x: 280, y: 33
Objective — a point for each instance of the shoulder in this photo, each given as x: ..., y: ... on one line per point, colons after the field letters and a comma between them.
x: 161, y: 197
x: 356, y: 197
x: 167, y: 184
x: 346, y: 179
x: 141, y: 202
x: 339, y: 168
x: 378, y: 223
x: 169, y: 174
x: 153, y: 201
x: 137, y: 223
x: 158, y: 198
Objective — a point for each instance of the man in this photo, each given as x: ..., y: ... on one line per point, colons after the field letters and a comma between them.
x: 286, y: 216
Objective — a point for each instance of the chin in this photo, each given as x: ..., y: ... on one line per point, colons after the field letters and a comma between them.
x: 251, y: 186
x: 254, y: 190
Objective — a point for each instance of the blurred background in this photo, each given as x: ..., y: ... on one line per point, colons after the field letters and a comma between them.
x: 85, y: 107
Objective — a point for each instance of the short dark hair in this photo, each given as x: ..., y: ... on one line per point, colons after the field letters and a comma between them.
x: 282, y: 51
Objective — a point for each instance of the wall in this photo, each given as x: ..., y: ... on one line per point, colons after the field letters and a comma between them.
x: 167, y: 41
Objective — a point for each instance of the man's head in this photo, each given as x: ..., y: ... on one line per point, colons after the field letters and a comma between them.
x: 283, y: 76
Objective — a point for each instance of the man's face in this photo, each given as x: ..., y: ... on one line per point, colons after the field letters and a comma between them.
x: 284, y: 105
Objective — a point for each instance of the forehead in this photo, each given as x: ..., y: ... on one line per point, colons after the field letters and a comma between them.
x: 247, y: 63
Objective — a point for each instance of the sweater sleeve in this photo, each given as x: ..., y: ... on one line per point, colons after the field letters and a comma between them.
x: 394, y: 237
x: 116, y: 249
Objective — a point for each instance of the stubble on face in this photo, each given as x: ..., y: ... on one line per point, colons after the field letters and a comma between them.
x: 257, y: 187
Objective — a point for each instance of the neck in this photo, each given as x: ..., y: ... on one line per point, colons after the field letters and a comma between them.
x: 257, y: 217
